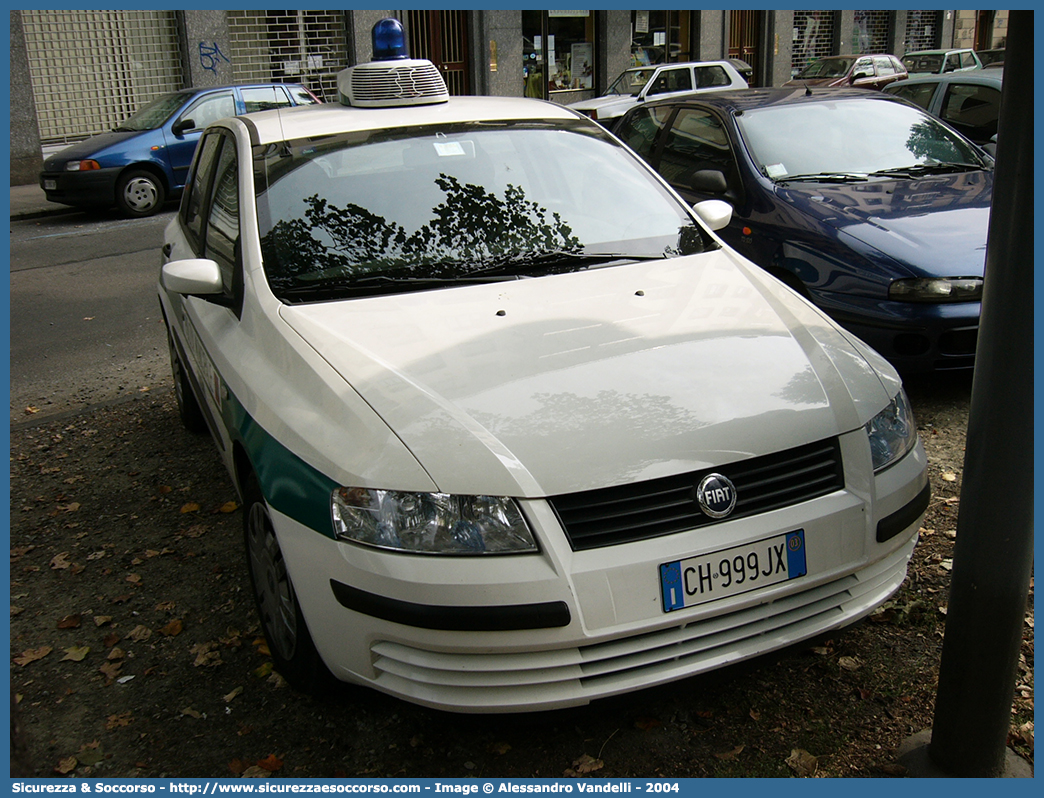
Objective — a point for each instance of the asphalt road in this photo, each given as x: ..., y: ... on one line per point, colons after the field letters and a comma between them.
x: 85, y: 322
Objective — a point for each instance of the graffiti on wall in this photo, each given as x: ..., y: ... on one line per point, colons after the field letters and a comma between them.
x: 210, y: 56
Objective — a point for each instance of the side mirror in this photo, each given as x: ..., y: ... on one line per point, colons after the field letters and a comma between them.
x: 181, y: 126
x: 193, y: 276
x: 709, y: 181
x: 716, y: 214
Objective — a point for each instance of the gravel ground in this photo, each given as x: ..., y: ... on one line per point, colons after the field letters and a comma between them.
x: 135, y: 647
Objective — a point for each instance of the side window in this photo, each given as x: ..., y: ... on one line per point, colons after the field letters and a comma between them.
x: 953, y: 62
x: 264, y: 98
x: 194, y: 202
x: 919, y: 94
x: 884, y: 66
x: 301, y: 95
x: 222, y: 237
x: 696, y: 141
x: 972, y: 109
x: 641, y: 129
x: 863, y: 66
x: 672, y: 80
x: 707, y: 77
x: 897, y: 65
x: 967, y: 61
x: 210, y: 109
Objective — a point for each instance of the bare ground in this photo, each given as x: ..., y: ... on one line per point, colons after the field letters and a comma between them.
x: 135, y: 648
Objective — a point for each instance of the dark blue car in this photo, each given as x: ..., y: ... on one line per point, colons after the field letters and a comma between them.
x: 145, y: 159
x: 874, y: 210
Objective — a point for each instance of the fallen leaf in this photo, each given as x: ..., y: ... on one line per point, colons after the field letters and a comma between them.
x: 172, y: 629
x: 233, y: 694
x: 111, y: 670
x: 494, y: 748
x: 30, y: 410
x: 754, y: 715
x: 264, y: 670
x: 849, y: 663
x: 76, y: 653
x: 101, y: 620
x: 255, y: 772
x: 191, y: 507
x: 237, y: 766
x: 139, y: 633
x: 645, y: 724
x: 802, y: 762
x: 60, y: 561
x: 165, y: 606
x: 67, y: 765
x: 134, y: 579
x: 69, y: 622
x: 271, y: 763
x: 120, y: 720
x: 16, y: 610
x: 949, y: 476
x: 205, y: 654
x: 728, y: 756
x: 71, y: 507
x: 115, y: 654
x: 227, y: 507
x: 32, y: 655
x: 587, y: 764
x: 192, y: 713
x: 90, y: 754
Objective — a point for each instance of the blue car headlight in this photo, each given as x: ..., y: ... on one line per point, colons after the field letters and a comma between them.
x: 892, y: 432
x: 430, y: 523
x: 937, y: 289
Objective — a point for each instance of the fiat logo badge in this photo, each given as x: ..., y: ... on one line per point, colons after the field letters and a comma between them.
x: 716, y: 496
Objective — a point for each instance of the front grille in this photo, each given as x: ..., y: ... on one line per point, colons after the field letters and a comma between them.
x: 610, y: 516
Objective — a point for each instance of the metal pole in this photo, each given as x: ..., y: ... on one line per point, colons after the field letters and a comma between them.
x: 993, y: 556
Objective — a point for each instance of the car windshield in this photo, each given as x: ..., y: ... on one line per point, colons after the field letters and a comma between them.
x: 852, y: 137
x: 155, y: 113
x: 631, y: 82
x: 928, y: 62
x: 399, y: 210
x: 826, y: 68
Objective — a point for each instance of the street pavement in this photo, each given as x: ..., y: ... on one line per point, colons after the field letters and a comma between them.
x: 29, y: 202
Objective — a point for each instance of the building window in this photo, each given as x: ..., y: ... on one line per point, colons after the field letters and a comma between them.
x: 659, y: 37
x: 558, y: 52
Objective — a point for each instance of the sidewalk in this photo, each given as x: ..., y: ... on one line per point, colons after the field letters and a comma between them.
x: 29, y: 202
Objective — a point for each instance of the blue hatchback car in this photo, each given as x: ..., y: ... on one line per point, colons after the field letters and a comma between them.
x: 874, y: 210
x: 145, y: 159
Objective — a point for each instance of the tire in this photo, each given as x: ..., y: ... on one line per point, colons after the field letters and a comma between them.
x: 139, y: 193
x: 282, y: 623
x: 188, y: 408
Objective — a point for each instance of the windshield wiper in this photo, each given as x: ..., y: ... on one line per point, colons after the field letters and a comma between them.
x: 377, y: 284
x: 534, y: 264
x: 921, y: 169
x: 824, y: 177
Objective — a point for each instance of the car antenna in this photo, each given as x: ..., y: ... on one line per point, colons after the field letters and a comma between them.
x: 808, y: 90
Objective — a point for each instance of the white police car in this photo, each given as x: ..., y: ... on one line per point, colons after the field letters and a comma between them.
x: 512, y: 428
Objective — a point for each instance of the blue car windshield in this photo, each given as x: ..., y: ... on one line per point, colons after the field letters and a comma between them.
x: 467, y: 201
x: 155, y: 113
x: 852, y: 136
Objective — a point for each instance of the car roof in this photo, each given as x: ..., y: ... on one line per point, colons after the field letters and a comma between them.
x: 940, y: 52
x: 987, y: 77
x: 740, y: 100
x: 328, y: 119
x: 684, y: 64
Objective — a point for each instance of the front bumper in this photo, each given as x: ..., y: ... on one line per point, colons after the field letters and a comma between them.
x: 594, y: 621
x: 96, y: 187
x: 914, y: 337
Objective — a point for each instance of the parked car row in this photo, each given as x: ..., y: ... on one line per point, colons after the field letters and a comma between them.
x: 514, y: 426
x: 145, y: 159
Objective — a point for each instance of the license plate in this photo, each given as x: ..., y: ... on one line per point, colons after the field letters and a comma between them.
x: 709, y: 577
x: 50, y: 185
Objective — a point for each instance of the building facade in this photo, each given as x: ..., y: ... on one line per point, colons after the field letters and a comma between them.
x: 76, y: 73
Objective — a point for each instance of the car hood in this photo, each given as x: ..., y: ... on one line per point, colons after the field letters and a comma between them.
x: 933, y: 226
x: 89, y: 148
x: 556, y: 384
x: 841, y: 81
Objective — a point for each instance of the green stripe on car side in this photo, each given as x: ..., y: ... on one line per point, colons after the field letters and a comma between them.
x: 289, y: 484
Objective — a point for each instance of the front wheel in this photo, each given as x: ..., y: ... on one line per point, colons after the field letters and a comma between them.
x: 282, y: 623
x: 139, y: 193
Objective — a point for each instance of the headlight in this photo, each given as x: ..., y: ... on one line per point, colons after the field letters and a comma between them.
x: 82, y: 166
x: 892, y: 432
x: 430, y: 523
x: 937, y: 289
